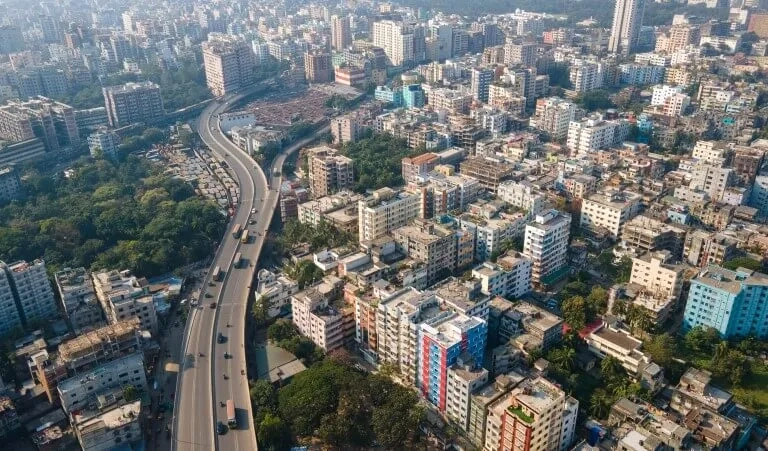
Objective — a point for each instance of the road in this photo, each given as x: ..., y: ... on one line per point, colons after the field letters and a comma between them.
x: 207, y: 381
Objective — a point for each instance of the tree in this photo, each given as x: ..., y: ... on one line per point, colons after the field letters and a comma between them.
x: 282, y: 329
x: 702, y: 339
x: 611, y: 370
x: 130, y: 393
x: 600, y: 403
x: 263, y: 399
x: 396, y: 422
x: 273, y: 434
x: 661, y: 348
x: 563, y: 357
x: 597, y: 99
x: 597, y: 301
x: 574, y: 312
x: 743, y: 262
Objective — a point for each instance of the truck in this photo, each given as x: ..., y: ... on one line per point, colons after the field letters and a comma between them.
x: 216, y: 274
x: 244, y: 237
x: 231, y: 417
x: 236, y: 230
x: 276, y: 172
x: 238, y: 259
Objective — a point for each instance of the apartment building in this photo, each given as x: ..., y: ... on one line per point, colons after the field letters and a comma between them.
x: 341, y: 34
x: 318, y: 67
x: 447, y: 339
x: 105, y: 143
x: 529, y: 417
x: 546, y: 244
x: 80, y: 390
x: 397, y: 325
x: 463, y: 379
x: 702, y: 248
x: 522, y: 195
x: 133, y: 102
x: 10, y: 183
x: 608, y: 212
x: 711, y: 179
x: 659, y: 275
x: 524, y: 325
x: 53, y: 123
x: 346, y: 129
x: 329, y: 171
x: 509, y: 276
x: 317, y: 318
x: 419, y: 166
x: 586, y: 75
x: 124, y: 296
x: 449, y: 100
x: 229, y: 63
x: 384, y: 211
x: 480, y: 81
x: 26, y: 295
x: 594, y: 133
x: 79, y: 299
x: 397, y: 40
x: 554, y: 115
x: 520, y: 53
x: 480, y: 401
x: 490, y: 172
x: 108, y: 426
x: 729, y: 301
x: 490, y: 232
x: 432, y: 244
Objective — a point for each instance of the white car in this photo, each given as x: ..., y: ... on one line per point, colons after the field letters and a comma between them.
x: 253, y: 211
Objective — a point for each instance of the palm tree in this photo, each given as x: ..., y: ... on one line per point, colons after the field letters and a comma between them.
x: 563, y: 358
x: 600, y: 403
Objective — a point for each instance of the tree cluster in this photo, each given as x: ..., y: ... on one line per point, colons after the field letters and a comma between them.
x: 110, y: 215
x: 581, y: 306
x: 727, y: 361
x: 338, y: 405
x: 597, y: 99
x: 286, y: 336
x: 377, y: 161
x: 322, y: 236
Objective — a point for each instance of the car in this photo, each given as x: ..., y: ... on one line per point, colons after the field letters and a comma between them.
x: 253, y: 211
x: 176, y: 324
x: 221, y: 428
x: 212, y: 305
x: 252, y: 221
x: 227, y: 355
x: 221, y: 338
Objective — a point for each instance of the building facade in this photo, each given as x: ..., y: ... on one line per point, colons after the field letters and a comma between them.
x: 133, y: 102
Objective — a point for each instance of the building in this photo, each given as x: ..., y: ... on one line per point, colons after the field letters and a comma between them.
x: 480, y: 402
x: 414, y: 168
x: 318, y: 66
x: 658, y: 274
x: 9, y: 419
x: 229, y: 64
x: 329, y: 172
x: 594, y: 133
x: 531, y: 417
x: 104, y: 143
x: 26, y: 296
x: 522, y: 195
x: 317, y: 318
x: 554, y: 115
x: 480, y: 81
x: 434, y: 245
x: 108, y: 426
x: 79, y: 299
x: 523, y: 325
x: 509, y: 276
x: 80, y: 390
x: 10, y: 183
x: 124, y: 296
x: 728, y: 301
x: 711, y: 179
x: 520, y: 53
x: 346, y: 129
x: 398, y: 41
x: 609, y: 212
x: 341, y: 34
x: 133, y: 102
x: 606, y: 340
x: 445, y: 340
x: 489, y: 171
x: 546, y: 244
x: 758, y: 197
x: 51, y: 122
x: 586, y: 75
x: 702, y: 248
x: 384, y: 211
x: 758, y: 24
x: 464, y: 378
x: 627, y: 22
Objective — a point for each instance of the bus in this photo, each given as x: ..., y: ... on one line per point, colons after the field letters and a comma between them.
x: 231, y: 417
x: 236, y: 230
x: 244, y: 237
x: 238, y: 258
x: 216, y: 273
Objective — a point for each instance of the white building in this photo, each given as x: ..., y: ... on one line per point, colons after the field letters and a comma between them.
x: 79, y: 298
x: 594, y: 133
x: 659, y: 276
x: 124, y: 296
x: 585, y: 75
x: 522, y: 195
x: 275, y: 291
x: 464, y: 378
x: 26, y: 295
x: 711, y: 179
x: 627, y: 22
x: 509, y: 277
x: 710, y: 152
x: 608, y: 341
x: 80, y: 390
x: 396, y: 39
x: 662, y: 92
x: 108, y: 427
x: 554, y: 115
x: 316, y: 318
x: 609, y: 212
x: 546, y: 243
x: 105, y: 141
x: 384, y: 211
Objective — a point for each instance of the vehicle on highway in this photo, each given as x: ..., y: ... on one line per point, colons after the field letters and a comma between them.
x: 216, y: 273
x: 221, y: 338
x: 212, y: 305
x: 244, y: 237
x: 236, y: 230
x: 253, y: 211
x: 276, y: 172
x: 238, y: 259
x: 221, y: 428
x: 252, y: 221
x: 227, y: 355
x: 231, y: 417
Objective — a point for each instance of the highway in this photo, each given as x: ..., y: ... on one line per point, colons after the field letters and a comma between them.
x: 207, y: 380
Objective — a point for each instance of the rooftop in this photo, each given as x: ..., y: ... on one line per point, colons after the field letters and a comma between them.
x: 115, y: 418
x: 730, y: 281
x: 96, y: 339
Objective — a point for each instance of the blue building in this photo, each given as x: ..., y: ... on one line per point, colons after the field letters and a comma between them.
x: 387, y: 94
x: 733, y: 302
x: 413, y: 96
x: 644, y: 128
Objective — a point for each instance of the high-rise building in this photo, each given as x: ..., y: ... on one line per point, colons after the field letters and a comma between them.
x: 429, y: 243
x: 627, y: 22
x: 341, y: 36
x: 546, y: 244
x: 105, y: 142
x: 50, y: 121
x: 554, y: 115
x: 608, y: 212
x: 481, y: 81
x: 711, y: 179
x: 384, y: 211
x: 509, y: 276
x: 229, y: 63
x: 586, y: 75
x: 346, y: 129
x: 10, y: 183
x: 732, y: 302
x: 397, y: 40
x: 26, y: 295
x: 79, y: 298
x: 447, y: 339
x: 318, y: 67
x: 124, y: 296
x: 133, y: 102
x: 524, y: 54
x: 594, y: 133
x: 329, y: 171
